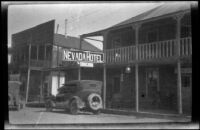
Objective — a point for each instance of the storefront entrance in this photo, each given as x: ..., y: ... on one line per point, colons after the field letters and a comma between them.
x: 152, y: 88
x: 186, y: 93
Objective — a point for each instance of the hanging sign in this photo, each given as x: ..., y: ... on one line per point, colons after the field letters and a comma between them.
x: 82, y: 56
x: 85, y: 64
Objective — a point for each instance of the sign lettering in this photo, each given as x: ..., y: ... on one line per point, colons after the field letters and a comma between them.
x: 82, y: 56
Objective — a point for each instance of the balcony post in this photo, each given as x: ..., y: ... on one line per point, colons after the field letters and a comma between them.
x: 105, y: 35
x: 37, y: 51
x: 79, y: 67
x: 136, y: 27
x: 29, y: 71
x: 179, y: 85
x: 178, y: 18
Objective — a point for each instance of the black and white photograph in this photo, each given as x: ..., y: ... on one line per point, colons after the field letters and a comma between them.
x: 100, y: 65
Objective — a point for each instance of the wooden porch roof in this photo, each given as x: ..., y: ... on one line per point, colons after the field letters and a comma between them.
x: 159, y: 11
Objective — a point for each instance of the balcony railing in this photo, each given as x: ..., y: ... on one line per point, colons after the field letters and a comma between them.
x: 40, y: 63
x: 149, y: 51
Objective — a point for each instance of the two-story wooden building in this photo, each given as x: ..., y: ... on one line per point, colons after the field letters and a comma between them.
x: 36, y: 55
x: 148, y: 64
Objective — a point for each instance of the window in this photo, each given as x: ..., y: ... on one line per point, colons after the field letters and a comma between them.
x: 152, y: 36
x: 33, y: 52
x: 48, y: 52
x: 186, y: 81
x: 41, y: 52
x: 152, y: 81
x: 116, y: 42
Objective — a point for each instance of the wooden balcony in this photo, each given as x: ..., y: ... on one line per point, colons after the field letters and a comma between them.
x: 149, y: 51
x: 40, y: 63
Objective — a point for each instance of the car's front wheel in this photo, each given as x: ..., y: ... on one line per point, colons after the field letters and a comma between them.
x: 74, y: 107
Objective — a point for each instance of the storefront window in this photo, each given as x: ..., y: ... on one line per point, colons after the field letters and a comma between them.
x: 186, y: 81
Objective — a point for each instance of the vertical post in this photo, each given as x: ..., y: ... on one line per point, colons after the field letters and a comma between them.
x: 37, y: 51
x: 179, y: 85
x: 45, y: 53
x: 180, y: 111
x: 41, y: 89
x: 136, y: 27
x: 58, y: 74
x: 79, y: 67
x: 136, y: 88
x: 104, y: 86
x: 79, y: 73
x: 28, y: 76
x: 105, y: 35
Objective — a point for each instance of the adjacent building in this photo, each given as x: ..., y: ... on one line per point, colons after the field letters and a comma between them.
x: 37, y: 56
x: 148, y: 64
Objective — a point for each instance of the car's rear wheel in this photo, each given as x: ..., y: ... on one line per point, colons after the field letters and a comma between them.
x: 74, y: 107
x: 95, y: 103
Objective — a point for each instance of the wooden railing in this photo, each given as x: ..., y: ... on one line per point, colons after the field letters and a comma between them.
x: 149, y: 51
x: 162, y: 49
x: 39, y: 63
x: 120, y: 55
x: 186, y: 46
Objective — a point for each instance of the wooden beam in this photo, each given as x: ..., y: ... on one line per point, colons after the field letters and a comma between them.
x: 93, y: 39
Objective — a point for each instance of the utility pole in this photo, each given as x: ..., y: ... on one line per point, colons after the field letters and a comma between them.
x: 65, y: 27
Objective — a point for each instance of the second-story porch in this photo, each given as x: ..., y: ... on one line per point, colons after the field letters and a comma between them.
x: 163, y: 38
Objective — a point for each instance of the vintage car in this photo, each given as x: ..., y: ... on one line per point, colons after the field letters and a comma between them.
x: 77, y: 95
x: 15, y: 100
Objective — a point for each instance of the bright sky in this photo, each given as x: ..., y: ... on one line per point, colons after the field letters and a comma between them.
x: 81, y: 17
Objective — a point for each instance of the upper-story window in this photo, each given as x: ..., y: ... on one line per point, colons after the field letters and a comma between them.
x: 33, y: 52
x: 41, y: 52
x: 152, y: 35
x: 116, y: 42
x: 48, y: 52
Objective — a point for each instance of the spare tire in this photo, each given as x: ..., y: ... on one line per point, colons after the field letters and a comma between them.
x: 95, y: 101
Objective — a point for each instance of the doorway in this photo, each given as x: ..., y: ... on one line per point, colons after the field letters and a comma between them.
x: 186, y: 93
x: 152, y: 87
x: 116, y: 85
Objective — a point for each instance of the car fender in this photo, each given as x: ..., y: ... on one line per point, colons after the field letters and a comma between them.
x: 80, y: 102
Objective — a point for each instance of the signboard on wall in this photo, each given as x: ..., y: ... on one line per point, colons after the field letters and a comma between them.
x: 85, y: 64
x: 82, y: 56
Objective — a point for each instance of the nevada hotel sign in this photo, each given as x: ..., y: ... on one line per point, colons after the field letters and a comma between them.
x: 82, y: 56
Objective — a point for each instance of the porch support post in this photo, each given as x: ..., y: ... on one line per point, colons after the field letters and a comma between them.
x: 104, y: 86
x: 136, y: 27
x: 179, y: 85
x: 27, y: 86
x: 104, y: 69
x: 79, y: 72
x: 105, y: 35
x: 41, y: 87
x: 180, y: 111
x: 37, y: 51
x: 28, y: 75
